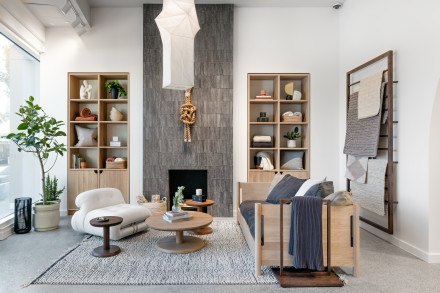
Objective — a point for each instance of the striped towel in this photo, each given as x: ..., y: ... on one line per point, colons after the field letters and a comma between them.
x: 306, y: 233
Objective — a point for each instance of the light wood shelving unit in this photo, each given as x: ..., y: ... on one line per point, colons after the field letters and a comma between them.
x: 96, y: 175
x: 274, y: 85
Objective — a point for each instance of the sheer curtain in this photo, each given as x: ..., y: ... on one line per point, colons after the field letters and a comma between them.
x: 19, y: 79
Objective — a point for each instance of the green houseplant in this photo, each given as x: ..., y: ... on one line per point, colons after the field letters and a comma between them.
x: 116, y: 89
x: 178, y: 198
x: 38, y: 135
x: 291, y: 137
x: 52, y: 191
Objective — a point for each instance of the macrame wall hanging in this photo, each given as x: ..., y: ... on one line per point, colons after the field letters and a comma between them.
x: 188, y: 114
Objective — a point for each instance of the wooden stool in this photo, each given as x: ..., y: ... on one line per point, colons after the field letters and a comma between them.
x: 200, y: 206
x: 106, y: 250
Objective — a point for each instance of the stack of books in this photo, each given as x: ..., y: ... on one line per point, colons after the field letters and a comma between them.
x: 172, y: 217
x: 76, y: 160
x: 263, y: 98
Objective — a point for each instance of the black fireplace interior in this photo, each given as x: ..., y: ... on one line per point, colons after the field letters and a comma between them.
x: 191, y: 179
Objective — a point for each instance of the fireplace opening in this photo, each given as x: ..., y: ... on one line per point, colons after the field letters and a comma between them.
x: 191, y: 179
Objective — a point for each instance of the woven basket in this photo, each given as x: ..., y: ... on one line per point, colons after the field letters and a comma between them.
x: 116, y: 165
x: 156, y: 207
x: 294, y: 119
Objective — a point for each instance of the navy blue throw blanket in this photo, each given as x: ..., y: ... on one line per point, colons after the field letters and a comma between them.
x: 306, y: 233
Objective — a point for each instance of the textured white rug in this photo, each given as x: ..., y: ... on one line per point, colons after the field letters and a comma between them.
x: 225, y: 259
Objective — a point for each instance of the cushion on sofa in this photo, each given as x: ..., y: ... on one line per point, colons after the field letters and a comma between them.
x: 340, y: 198
x: 307, y: 185
x: 320, y: 190
x: 285, y: 189
x: 326, y: 188
x: 276, y: 179
x: 247, y: 210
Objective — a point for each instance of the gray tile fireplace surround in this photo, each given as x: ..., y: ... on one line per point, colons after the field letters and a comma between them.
x: 211, y: 146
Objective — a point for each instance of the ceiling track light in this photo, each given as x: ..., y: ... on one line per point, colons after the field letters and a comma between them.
x: 66, y: 7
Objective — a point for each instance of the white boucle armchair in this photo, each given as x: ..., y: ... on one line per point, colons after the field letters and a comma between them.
x: 108, y: 202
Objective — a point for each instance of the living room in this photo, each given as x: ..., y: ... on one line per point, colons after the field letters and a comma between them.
x: 302, y: 55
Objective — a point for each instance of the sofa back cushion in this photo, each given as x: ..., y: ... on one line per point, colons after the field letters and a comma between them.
x: 285, y: 189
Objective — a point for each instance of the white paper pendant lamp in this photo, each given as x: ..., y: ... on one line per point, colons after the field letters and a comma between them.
x: 178, y: 26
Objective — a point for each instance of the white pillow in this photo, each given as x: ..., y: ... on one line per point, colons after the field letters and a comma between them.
x: 86, y: 136
x: 306, y: 186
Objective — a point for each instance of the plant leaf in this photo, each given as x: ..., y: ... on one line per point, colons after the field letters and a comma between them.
x: 22, y: 126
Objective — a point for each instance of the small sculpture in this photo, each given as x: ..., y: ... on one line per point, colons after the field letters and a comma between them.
x: 115, y: 115
x: 85, y: 91
x: 288, y: 88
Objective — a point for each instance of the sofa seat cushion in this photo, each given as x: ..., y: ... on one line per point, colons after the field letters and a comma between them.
x: 129, y: 213
x: 247, y: 210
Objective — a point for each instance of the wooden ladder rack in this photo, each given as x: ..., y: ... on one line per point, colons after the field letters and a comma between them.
x: 390, y: 149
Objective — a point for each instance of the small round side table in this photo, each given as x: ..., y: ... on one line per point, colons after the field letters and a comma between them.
x: 106, y: 250
x: 200, y: 206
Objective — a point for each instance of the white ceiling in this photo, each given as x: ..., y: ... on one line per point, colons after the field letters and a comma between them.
x: 49, y: 11
x: 278, y: 3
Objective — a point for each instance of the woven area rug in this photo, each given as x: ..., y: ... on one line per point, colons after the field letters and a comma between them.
x: 225, y: 259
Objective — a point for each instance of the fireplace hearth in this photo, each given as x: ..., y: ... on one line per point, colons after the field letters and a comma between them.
x: 191, y: 179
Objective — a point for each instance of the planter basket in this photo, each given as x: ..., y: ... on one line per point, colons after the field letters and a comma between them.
x: 156, y: 207
x: 291, y: 119
x: 116, y: 165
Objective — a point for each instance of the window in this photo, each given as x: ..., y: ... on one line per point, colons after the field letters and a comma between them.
x: 19, y: 79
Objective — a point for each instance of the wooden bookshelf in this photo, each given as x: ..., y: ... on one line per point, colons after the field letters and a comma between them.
x: 96, y: 175
x: 274, y: 86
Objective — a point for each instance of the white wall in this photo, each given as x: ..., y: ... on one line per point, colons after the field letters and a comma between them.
x: 290, y: 40
x: 113, y: 45
x: 369, y: 28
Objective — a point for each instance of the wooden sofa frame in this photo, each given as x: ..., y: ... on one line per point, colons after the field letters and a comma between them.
x: 344, y: 231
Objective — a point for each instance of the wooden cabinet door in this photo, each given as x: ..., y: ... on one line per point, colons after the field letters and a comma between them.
x: 116, y: 179
x: 261, y: 176
x: 79, y: 181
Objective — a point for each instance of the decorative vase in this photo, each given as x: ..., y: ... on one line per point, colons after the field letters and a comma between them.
x: 176, y: 209
x: 83, y: 165
x: 291, y: 143
x: 115, y: 93
x: 115, y: 115
x: 46, y: 217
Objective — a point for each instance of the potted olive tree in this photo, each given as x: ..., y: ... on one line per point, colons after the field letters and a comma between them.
x: 292, y: 136
x: 38, y: 135
x: 116, y: 89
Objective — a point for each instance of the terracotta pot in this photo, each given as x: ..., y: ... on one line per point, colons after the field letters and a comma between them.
x: 46, y: 217
x: 83, y: 164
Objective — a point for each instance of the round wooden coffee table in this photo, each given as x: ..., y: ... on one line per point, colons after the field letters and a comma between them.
x: 180, y: 243
x: 106, y: 250
x: 200, y: 206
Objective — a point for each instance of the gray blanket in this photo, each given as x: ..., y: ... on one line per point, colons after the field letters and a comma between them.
x: 306, y: 233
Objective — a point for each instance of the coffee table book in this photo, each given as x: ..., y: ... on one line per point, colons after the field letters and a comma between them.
x: 175, y: 219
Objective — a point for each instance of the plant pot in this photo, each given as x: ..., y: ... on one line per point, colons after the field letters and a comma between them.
x: 46, y: 217
x: 291, y: 143
x: 115, y: 93
x: 83, y: 164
